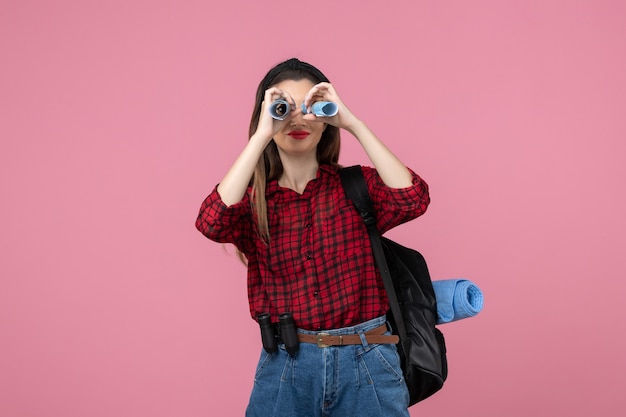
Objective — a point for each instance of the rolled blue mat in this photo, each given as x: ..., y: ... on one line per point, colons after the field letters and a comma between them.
x: 322, y: 108
x: 457, y: 299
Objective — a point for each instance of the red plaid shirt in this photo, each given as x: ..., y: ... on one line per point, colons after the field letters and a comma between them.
x: 319, y: 264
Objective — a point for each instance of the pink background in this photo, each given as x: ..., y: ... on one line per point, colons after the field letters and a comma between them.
x: 118, y: 117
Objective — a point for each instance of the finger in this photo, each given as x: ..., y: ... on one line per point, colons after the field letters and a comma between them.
x: 323, y: 85
x: 320, y: 92
x: 316, y: 90
x: 289, y: 99
x: 274, y: 93
x: 310, y: 99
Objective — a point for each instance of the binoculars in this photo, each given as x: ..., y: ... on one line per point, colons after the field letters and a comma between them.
x: 279, y: 109
x: 272, y: 334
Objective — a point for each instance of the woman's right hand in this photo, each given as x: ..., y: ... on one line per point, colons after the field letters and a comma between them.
x: 233, y: 186
x: 268, y: 126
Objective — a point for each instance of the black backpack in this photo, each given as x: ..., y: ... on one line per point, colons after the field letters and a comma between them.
x: 413, y: 306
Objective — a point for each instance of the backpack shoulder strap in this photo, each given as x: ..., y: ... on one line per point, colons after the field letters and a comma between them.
x: 356, y: 190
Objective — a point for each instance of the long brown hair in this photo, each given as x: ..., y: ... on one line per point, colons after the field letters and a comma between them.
x: 269, y: 167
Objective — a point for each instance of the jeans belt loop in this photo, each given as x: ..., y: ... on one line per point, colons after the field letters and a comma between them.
x: 363, y: 338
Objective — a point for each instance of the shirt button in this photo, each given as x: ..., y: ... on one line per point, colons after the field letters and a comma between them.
x: 307, y: 225
x: 316, y: 293
x: 309, y: 256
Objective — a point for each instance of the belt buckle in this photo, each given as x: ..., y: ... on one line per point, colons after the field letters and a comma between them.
x: 320, y: 344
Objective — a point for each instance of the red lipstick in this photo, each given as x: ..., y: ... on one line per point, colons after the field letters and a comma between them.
x: 298, y: 134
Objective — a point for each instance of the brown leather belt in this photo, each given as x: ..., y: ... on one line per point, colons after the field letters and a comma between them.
x: 374, y: 336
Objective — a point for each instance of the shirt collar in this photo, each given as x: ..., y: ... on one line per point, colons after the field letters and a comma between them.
x: 323, y: 171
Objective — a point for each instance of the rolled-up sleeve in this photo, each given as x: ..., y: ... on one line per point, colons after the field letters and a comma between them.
x: 395, y: 206
x: 226, y: 224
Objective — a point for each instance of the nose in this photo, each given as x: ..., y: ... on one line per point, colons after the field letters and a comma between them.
x: 297, y: 119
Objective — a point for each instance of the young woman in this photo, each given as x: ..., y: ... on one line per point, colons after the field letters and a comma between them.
x: 308, y: 253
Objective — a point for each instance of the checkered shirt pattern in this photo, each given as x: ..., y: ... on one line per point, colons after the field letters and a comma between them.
x: 318, y: 264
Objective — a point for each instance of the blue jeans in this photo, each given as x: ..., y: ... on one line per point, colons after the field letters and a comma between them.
x: 354, y: 380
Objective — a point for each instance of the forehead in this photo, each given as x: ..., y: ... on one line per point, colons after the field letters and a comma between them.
x: 295, y: 88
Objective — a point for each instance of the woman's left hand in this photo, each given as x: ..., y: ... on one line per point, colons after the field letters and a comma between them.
x: 392, y: 171
x: 326, y: 92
